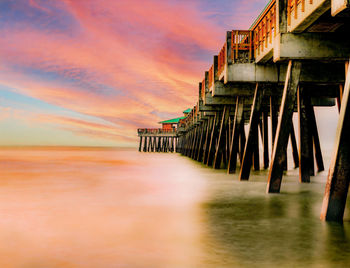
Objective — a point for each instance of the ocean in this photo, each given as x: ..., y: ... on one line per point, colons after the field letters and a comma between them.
x: 115, y: 207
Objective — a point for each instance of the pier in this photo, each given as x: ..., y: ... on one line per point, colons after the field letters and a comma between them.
x: 294, y: 57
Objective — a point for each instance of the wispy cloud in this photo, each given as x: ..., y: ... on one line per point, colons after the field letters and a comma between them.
x: 126, y: 62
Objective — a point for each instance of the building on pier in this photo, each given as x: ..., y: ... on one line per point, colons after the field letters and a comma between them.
x: 171, y: 124
x: 164, y: 139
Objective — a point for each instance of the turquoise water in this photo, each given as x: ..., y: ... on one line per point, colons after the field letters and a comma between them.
x: 80, y: 207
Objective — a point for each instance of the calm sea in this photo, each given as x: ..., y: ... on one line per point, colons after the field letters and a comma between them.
x: 81, y: 207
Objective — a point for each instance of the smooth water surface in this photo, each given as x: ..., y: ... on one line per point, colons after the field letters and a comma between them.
x: 81, y: 207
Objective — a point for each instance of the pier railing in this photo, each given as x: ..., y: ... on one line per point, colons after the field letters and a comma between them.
x: 265, y: 30
x: 241, y: 50
x: 241, y: 41
x: 203, y: 90
x: 155, y: 131
x: 222, y: 59
x: 298, y: 10
x: 211, y: 77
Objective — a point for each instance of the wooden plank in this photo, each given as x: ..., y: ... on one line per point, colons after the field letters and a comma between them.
x: 252, y: 133
x: 283, y: 128
x: 337, y: 184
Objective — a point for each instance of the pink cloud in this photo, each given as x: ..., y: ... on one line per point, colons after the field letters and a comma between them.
x: 122, y: 61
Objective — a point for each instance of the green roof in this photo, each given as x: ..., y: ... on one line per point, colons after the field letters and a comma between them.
x: 172, y: 121
x: 187, y: 111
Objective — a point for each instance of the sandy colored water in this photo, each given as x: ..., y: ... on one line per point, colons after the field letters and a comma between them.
x: 80, y: 207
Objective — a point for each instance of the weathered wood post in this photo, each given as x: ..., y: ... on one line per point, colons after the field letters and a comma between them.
x: 140, y: 145
x: 316, y: 140
x: 255, y: 146
x: 145, y: 144
x: 221, y: 138
x: 201, y: 141
x: 195, y: 142
x: 283, y: 128
x: 236, y: 131
x: 242, y: 141
x: 213, y: 138
x: 159, y: 144
x: 149, y: 144
x: 305, y: 138
x: 265, y: 137
x: 273, y: 118
x: 294, y: 146
x: 207, y: 138
x: 172, y: 144
x: 337, y: 185
x: 252, y: 133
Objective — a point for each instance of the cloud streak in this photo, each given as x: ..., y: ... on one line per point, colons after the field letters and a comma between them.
x: 126, y: 62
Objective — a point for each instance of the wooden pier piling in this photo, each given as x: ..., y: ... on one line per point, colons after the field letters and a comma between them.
x: 251, y: 146
x: 283, y: 127
x: 337, y: 184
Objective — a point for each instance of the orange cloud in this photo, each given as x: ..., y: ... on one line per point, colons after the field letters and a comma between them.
x: 126, y: 62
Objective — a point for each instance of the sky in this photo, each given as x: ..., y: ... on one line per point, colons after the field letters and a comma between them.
x: 90, y: 72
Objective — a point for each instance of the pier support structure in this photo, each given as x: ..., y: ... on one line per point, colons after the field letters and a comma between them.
x: 337, y: 184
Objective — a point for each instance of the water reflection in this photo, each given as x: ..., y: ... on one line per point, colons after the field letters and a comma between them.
x: 120, y: 208
x: 254, y: 230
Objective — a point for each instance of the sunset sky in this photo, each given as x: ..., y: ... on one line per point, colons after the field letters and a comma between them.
x: 90, y: 72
